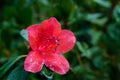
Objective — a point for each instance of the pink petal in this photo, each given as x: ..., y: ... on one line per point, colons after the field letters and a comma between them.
x: 67, y: 41
x: 33, y: 36
x: 33, y: 62
x: 57, y: 63
x: 51, y: 26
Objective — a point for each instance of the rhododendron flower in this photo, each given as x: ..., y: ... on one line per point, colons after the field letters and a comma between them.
x: 48, y: 42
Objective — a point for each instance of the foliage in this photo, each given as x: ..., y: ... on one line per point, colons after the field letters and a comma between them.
x: 95, y: 23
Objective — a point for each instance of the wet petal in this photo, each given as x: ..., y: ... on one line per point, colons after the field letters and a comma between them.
x: 51, y: 26
x: 33, y: 62
x: 57, y: 63
x: 33, y: 36
x: 67, y: 41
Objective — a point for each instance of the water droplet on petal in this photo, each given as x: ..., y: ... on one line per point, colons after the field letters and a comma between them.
x: 31, y: 60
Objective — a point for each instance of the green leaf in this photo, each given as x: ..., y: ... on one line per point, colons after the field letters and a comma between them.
x: 116, y: 13
x: 80, y: 47
x: 18, y: 74
x: 95, y: 36
x: 47, y: 73
x: 24, y: 34
x: 95, y: 19
x: 9, y: 64
x: 93, y: 16
x: 98, y: 62
x: 103, y: 3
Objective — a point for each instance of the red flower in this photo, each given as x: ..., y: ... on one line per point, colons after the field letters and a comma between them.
x: 48, y: 42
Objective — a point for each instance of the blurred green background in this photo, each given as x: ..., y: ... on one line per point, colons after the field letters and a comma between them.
x: 95, y: 23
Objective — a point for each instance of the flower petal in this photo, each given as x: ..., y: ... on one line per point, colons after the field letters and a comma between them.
x: 51, y: 26
x: 33, y: 36
x: 57, y: 63
x: 34, y: 62
x: 67, y: 41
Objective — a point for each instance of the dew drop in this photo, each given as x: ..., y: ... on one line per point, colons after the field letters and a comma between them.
x: 31, y: 60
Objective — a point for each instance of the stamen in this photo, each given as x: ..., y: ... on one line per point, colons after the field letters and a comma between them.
x: 57, y: 43
x: 47, y: 40
x: 52, y: 42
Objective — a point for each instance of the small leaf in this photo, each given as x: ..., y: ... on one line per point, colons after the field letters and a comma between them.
x: 18, y: 74
x: 103, y: 3
x: 93, y: 16
x: 95, y: 36
x: 95, y: 19
x: 116, y: 13
x: 24, y: 34
x: 98, y: 62
x: 80, y: 47
x: 9, y: 64
x: 47, y: 73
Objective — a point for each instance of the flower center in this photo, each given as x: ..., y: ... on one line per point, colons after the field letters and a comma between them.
x: 52, y: 41
x: 49, y: 44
